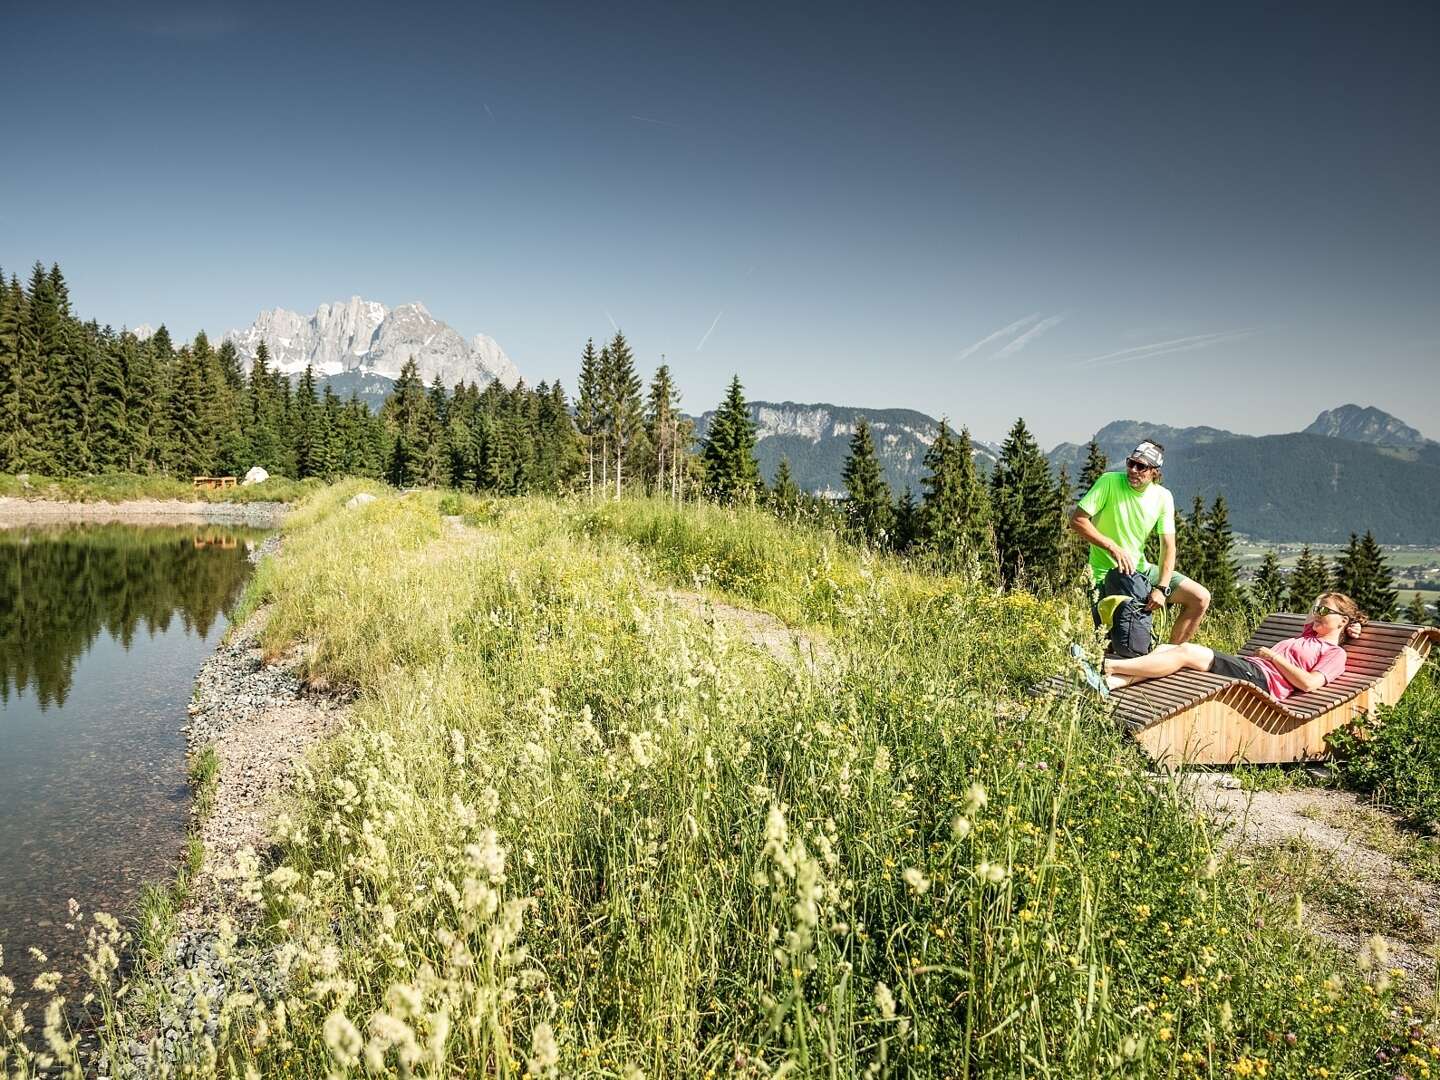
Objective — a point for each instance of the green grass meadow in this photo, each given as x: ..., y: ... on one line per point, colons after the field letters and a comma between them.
x: 576, y: 831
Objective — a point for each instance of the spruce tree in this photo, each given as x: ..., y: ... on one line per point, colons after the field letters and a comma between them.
x: 328, y: 447
x: 186, y: 449
x: 1417, y: 611
x: 1310, y: 578
x: 623, y: 408
x: 867, y: 494
x: 907, y: 521
x: 1218, y: 544
x: 1026, y: 514
x: 588, y: 408
x: 1362, y: 574
x: 1269, y: 587
x: 265, y: 430
x: 784, y: 492
x: 731, y: 472
x: 1094, y: 467
x: 1191, y: 550
x: 111, y: 438
x: 663, y: 427
x: 955, y: 506
x: 306, y: 430
x: 14, y: 431
x: 407, y: 418
x: 42, y: 369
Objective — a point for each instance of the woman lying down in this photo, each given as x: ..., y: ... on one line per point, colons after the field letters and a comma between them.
x: 1291, y: 666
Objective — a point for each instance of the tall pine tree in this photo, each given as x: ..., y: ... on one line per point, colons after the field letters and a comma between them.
x: 1269, y: 587
x: 867, y: 494
x: 1310, y: 578
x: 1094, y: 467
x: 731, y: 472
x: 1026, y: 512
x: 1218, y: 545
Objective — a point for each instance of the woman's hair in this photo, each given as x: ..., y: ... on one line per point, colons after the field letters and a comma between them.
x: 1347, y: 607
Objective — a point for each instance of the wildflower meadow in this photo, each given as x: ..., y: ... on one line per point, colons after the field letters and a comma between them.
x: 573, y: 829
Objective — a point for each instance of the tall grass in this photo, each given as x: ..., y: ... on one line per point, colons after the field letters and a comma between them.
x: 573, y: 830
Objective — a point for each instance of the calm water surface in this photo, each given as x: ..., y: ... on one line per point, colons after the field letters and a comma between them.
x: 102, y: 630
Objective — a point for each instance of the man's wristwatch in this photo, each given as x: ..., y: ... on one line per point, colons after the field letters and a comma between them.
x: 1165, y: 590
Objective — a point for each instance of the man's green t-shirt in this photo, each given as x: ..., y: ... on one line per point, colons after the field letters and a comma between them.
x: 1127, y: 517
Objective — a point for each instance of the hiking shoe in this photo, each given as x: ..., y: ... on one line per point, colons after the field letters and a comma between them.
x: 1093, y: 678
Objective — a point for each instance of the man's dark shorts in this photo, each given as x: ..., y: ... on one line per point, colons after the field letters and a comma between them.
x: 1239, y: 667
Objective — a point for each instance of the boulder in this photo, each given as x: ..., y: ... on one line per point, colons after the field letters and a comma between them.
x: 359, y: 500
x: 256, y: 475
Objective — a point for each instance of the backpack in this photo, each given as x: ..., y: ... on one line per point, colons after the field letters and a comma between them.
x: 1131, y: 627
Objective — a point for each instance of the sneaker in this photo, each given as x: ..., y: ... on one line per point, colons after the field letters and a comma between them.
x: 1093, y: 678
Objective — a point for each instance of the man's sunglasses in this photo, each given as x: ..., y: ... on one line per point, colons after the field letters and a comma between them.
x: 1138, y: 466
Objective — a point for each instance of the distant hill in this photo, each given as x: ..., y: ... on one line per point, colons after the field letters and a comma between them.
x: 816, y: 440
x: 1119, y: 437
x: 1352, y: 469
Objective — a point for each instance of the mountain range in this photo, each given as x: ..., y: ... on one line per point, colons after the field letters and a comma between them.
x: 1352, y: 469
x: 357, y: 342
x: 815, y: 439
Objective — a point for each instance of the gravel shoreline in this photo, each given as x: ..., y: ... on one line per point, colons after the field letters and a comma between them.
x: 266, y: 515
x: 261, y: 719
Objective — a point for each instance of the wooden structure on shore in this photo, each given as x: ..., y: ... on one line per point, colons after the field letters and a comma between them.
x: 1194, y: 717
x: 213, y: 482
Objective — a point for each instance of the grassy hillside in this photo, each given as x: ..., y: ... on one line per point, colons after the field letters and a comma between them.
x: 574, y: 830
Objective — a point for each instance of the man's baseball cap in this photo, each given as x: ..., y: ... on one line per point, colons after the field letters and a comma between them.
x: 1149, y: 453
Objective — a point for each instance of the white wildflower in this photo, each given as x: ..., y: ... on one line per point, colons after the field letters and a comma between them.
x: 884, y: 1001
x: 916, y: 879
x: 975, y: 799
x: 342, y: 1039
x: 544, y: 1051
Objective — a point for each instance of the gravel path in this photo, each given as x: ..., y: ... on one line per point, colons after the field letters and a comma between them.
x: 261, y: 720
x: 14, y: 512
x: 1338, y: 827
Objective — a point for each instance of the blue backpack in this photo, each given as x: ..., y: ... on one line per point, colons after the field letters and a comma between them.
x: 1122, y: 610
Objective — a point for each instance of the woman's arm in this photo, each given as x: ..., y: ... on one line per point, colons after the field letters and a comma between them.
x: 1297, y: 677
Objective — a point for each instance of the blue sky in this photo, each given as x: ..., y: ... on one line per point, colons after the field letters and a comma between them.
x: 1226, y: 215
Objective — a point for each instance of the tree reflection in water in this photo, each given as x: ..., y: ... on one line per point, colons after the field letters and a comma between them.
x: 61, y: 585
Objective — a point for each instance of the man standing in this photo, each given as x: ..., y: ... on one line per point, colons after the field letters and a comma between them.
x: 1118, y: 514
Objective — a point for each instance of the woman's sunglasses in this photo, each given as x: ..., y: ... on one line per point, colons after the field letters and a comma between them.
x: 1321, y: 611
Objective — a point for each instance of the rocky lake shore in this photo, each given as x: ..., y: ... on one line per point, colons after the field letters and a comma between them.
x: 16, y: 512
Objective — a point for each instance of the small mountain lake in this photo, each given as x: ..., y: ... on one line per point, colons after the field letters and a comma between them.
x: 102, y: 631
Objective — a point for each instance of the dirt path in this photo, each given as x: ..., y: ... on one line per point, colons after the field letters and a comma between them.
x: 759, y: 628
x: 1360, y: 870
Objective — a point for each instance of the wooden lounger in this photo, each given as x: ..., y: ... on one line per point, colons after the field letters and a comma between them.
x: 1199, y: 718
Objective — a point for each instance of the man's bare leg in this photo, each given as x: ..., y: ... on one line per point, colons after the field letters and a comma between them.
x: 1165, y: 660
x: 1194, y: 601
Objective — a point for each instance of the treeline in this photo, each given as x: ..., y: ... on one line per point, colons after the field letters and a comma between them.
x: 77, y: 399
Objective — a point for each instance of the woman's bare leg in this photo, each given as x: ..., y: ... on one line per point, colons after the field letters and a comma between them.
x: 1165, y: 660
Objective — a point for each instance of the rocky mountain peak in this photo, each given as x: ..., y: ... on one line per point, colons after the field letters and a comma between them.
x: 1366, y: 425
x: 359, y: 335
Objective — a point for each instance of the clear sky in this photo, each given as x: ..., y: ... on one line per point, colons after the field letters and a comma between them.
x: 1225, y: 215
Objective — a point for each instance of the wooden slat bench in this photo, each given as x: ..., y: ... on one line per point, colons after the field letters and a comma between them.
x: 1195, y: 717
